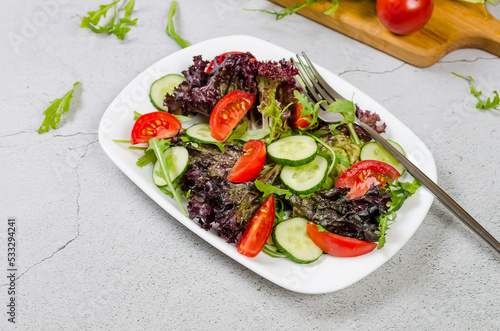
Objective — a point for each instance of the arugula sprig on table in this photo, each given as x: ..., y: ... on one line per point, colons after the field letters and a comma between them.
x: 481, y: 104
x: 293, y: 9
x: 54, y: 111
x: 170, y: 29
x: 119, y: 27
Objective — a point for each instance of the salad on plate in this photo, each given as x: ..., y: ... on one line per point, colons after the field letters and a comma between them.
x: 259, y: 168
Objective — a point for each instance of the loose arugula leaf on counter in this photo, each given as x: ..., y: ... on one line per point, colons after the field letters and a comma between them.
x: 55, y: 110
x: 170, y: 30
x: 293, y: 9
x: 488, y: 104
x: 119, y: 28
x: 399, y: 192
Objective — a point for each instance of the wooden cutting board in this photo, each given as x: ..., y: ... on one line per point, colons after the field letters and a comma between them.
x: 454, y: 24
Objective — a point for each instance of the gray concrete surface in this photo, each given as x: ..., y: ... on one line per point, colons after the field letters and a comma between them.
x: 95, y: 253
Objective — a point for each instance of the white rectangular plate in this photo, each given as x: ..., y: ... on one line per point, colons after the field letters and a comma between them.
x: 329, y: 273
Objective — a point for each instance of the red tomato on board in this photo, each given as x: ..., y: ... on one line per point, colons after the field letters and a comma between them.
x: 228, y: 112
x: 299, y: 120
x: 363, y: 175
x: 336, y: 245
x: 258, y: 230
x: 404, y: 16
x: 250, y: 164
x: 155, y: 125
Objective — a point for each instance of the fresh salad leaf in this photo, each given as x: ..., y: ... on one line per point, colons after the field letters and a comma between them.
x: 310, y: 109
x: 148, y: 157
x: 55, y: 110
x: 158, y: 146
x: 481, y: 104
x: 268, y: 189
x: 399, y: 192
x: 348, y: 110
x: 119, y: 29
x: 170, y: 29
x: 293, y: 9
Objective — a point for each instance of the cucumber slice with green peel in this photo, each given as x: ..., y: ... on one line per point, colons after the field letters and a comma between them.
x: 293, y: 150
x: 307, y: 178
x: 163, y: 86
x: 375, y: 151
x: 201, y: 133
x: 290, y: 237
x: 177, y: 161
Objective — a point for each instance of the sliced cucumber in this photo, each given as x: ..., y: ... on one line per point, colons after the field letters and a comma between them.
x: 293, y: 150
x: 201, y: 133
x: 290, y: 237
x: 177, y: 160
x: 307, y: 178
x: 375, y: 151
x: 163, y: 86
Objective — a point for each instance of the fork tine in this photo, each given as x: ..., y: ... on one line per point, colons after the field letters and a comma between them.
x: 322, y: 85
x: 312, y: 93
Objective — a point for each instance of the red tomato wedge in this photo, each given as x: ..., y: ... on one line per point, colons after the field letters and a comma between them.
x: 336, y: 245
x: 258, y: 230
x: 250, y: 164
x: 363, y: 175
x: 299, y: 120
x: 228, y: 112
x: 155, y: 125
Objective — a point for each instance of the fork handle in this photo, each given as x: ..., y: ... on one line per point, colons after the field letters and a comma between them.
x: 441, y: 195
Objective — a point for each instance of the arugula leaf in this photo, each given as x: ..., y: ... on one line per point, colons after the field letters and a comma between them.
x: 488, y: 104
x: 399, y: 192
x: 118, y: 29
x: 183, y: 118
x: 136, y: 115
x: 170, y: 30
x: 158, y: 146
x: 268, y: 189
x: 293, y: 9
x: 348, y: 111
x: 55, y: 110
x: 310, y: 109
x: 95, y: 16
x: 148, y: 157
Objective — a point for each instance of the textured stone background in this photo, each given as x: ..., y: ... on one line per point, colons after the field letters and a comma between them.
x: 96, y: 253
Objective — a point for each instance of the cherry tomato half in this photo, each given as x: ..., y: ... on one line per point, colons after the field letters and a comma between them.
x: 363, y: 175
x: 334, y: 244
x: 404, y: 16
x: 250, y: 164
x: 299, y: 120
x: 155, y: 125
x: 228, y: 112
x: 258, y: 230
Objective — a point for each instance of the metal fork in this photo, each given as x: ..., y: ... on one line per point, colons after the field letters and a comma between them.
x: 318, y: 89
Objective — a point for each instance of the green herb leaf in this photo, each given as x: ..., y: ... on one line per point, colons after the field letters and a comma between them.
x: 137, y: 115
x: 183, y: 118
x: 95, y: 16
x: 148, y: 157
x: 488, y: 104
x: 348, y: 111
x: 399, y: 192
x: 293, y: 9
x: 118, y: 29
x: 170, y: 30
x: 310, y: 109
x: 268, y: 189
x: 55, y: 110
x: 158, y: 146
